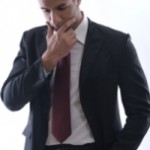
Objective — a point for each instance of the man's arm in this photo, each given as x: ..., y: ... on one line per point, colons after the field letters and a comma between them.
x: 135, y: 98
x: 24, y: 81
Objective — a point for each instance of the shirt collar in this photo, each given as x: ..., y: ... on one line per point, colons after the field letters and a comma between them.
x: 81, y: 30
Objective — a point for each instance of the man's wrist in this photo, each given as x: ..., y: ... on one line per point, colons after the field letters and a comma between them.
x: 48, y: 63
x: 46, y: 74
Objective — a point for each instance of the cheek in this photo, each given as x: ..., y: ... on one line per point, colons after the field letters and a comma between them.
x: 72, y: 12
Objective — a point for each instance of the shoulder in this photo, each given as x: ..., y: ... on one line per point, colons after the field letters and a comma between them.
x: 108, y: 33
x: 34, y: 36
x: 114, y: 42
x: 37, y: 30
x: 35, y: 33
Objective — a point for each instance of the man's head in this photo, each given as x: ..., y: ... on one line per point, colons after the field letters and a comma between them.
x: 57, y: 12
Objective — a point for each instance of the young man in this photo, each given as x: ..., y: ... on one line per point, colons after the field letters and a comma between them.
x: 100, y: 60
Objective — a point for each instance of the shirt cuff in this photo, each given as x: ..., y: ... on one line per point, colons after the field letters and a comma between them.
x: 46, y: 74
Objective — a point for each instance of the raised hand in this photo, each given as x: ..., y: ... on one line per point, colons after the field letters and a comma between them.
x: 59, y: 44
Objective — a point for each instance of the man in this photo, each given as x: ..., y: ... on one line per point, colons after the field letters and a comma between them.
x: 101, y: 60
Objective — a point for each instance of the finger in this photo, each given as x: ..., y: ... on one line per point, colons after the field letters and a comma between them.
x: 70, y: 31
x: 71, y: 38
x: 72, y: 42
x: 67, y: 25
x: 49, y: 30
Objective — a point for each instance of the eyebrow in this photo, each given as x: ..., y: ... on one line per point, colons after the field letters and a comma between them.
x: 61, y: 5
x: 44, y: 8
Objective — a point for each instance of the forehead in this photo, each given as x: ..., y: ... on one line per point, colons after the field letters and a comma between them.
x: 52, y: 3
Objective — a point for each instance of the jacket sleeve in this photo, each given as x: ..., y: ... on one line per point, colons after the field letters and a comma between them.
x: 24, y: 81
x: 136, y: 100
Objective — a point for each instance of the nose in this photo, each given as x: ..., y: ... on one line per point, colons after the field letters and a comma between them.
x: 55, y: 20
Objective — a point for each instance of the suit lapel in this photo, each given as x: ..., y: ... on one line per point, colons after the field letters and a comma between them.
x: 92, y: 47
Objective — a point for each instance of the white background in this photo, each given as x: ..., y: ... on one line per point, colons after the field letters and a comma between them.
x: 16, y: 16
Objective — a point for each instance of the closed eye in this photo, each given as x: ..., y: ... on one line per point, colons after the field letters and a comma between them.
x: 62, y: 7
x: 45, y: 10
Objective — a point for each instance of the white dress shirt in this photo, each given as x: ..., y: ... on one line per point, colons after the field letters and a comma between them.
x: 81, y: 133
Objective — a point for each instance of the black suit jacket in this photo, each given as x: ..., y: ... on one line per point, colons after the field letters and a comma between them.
x: 109, y: 61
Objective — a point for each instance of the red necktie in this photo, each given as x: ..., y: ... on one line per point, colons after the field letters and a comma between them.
x: 61, y: 124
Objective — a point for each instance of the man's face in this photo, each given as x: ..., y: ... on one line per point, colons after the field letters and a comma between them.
x: 57, y: 12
